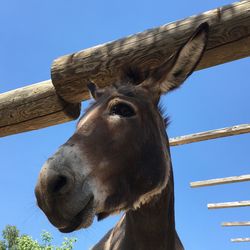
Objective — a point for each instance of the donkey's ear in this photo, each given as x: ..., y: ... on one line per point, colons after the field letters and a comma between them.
x: 92, y: 89
x: 172, y: 73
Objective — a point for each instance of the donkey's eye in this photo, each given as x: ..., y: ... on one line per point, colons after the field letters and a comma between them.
x: 122, y: 109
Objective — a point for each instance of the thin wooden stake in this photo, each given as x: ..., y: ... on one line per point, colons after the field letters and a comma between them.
x: 237, y: 240
x: 228, y: 204
x: 235, y: 224
x: 211, y: 134
x: 219, y: 181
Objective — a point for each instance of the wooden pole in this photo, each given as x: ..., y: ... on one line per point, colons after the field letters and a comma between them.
x: 38, y: 106
x: 33, y: 107
x: 229, y: 39
x: 219, y: 181
x: 228, y: 204
x: 238, y: 240
x: 212, y: 134
x: 235, y: 224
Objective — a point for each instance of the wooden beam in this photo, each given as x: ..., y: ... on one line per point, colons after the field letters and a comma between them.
x: 38, y: 106
x: 219, y: 181
x: 229, y: 39
x: 211, y: 134
x: 228, y: 204
x: 33, y: 107
x: 238, y: 240
x: 235, y: 224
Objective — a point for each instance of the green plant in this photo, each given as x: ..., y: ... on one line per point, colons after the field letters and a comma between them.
x: 12, y: 240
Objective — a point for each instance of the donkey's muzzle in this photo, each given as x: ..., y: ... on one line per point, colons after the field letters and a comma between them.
x: 63, y: 192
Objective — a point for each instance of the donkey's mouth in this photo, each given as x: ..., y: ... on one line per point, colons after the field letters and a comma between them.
x: 82, y: 220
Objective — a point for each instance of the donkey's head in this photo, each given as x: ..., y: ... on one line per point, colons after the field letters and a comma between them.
x: 118, y: 158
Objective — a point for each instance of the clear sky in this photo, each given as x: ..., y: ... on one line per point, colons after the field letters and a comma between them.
x: 33, y: 33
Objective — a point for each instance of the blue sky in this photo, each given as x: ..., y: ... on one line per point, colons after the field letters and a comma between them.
x: 33, y: 33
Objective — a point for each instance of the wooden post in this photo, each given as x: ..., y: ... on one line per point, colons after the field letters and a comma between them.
x: 219, y: 181
x: 33, y: 107
x: 238, y: 240
x: 235, y: 224
x: 229, y: 39
x: 228, y: 204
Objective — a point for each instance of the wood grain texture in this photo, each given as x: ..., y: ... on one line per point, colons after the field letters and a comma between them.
x: 235, y: 224
x: 238, y: 240
x: 33, y: 107
x: 211, y: 134
x: 219, y: 181
x: 229, y: 39
x: 228, y: 204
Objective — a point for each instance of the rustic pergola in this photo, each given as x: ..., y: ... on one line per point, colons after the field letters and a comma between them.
x: 58, y: 100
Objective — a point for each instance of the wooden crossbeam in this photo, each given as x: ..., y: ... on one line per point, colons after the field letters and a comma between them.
x: 33, y: 107
x: 235, y: 224
x: 228, y: 204
x: 229, y: 39
x: 238, y: 240
x: 211, y: 134
x: 220, y: 181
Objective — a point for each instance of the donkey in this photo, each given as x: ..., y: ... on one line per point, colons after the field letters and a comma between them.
x: 119, y: 159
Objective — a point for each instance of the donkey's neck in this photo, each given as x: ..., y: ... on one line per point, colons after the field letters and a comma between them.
x: 152, y: 226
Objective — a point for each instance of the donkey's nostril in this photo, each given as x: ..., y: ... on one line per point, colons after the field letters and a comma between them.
x: 58, y: 183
